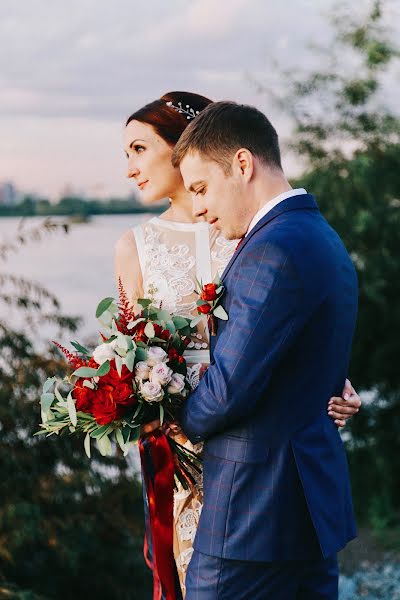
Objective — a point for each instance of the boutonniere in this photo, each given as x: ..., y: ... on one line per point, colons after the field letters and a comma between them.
x: 210, y: 295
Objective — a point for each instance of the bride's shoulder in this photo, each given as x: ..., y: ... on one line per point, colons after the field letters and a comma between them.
x: 126, y: 244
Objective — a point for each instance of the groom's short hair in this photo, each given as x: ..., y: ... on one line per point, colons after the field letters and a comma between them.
x: 222, y: 128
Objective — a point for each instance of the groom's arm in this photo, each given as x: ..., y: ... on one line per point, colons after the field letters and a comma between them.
x: 268, y: 310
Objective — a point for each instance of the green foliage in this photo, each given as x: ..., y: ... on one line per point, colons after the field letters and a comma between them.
x: 75, y: 206
x: 70, y: 527
x: 350, y: 145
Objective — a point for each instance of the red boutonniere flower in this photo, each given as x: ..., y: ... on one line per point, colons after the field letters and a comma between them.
x: 210, y: 295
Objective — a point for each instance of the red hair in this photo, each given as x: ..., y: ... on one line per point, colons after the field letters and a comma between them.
x: 166, y: 121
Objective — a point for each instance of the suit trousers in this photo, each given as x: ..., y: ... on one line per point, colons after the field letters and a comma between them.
x: 214, y: 578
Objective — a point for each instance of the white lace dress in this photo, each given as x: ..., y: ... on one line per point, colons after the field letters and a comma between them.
x: 172, y: 255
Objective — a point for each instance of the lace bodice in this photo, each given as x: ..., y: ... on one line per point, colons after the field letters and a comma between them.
x: 172, y: 255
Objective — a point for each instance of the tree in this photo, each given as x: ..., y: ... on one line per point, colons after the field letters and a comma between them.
x: 69, y: 528
x: 350, y: 144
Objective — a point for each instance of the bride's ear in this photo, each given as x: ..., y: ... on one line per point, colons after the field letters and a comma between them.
x: 243, y: 163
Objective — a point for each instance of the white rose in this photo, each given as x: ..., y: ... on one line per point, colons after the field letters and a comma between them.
x: 161, y: 374
x: 102, y: 353
x: 155, y: 355
x: 152, y: 392
x: 177, y: 384
x: 142, y: 370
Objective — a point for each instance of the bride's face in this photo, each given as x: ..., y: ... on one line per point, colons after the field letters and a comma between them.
x: 149, y: 163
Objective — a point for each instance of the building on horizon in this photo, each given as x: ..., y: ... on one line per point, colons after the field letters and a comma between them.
x: 9, y: 196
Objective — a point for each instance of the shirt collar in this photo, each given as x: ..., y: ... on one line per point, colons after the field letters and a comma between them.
x: 271, y: 204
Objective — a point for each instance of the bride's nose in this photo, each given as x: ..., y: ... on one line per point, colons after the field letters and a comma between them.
x: 133, y: 170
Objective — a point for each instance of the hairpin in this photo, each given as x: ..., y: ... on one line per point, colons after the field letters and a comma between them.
x: 188, y: 111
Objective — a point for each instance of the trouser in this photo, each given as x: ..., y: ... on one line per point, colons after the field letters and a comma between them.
x: 213, y: 578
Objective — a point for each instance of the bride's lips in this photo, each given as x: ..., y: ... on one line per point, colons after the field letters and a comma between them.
x: 142, y: 184
x: 212, y: 221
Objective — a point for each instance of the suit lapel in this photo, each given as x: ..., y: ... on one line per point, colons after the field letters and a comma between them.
x: 303, y: 201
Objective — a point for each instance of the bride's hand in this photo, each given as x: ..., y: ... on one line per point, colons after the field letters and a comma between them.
x: 149, y: 427
x: 341, y: 409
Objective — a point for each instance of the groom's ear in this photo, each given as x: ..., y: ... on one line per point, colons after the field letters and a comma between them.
x: 243, y: 164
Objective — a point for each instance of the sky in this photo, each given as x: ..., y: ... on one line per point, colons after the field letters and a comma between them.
x: 72, y: 71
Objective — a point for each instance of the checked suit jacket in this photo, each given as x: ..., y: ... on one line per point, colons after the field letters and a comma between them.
x: 276, y: 483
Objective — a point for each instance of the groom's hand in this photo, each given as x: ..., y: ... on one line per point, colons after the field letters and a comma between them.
x: 341, y: 409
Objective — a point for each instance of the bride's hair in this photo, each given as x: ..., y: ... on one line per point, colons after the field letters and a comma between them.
x: 168, y: 122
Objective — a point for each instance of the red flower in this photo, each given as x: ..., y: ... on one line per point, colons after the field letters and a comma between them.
x: 173, y: 354
x: 161, y: 333
x: 105, y: 409
x: 123, y: 395
x: 113, y: 378
x: 138, y: 332
x: 204, y: 308
x: 83, y: 397
x: 209, y: 292
x: 113, y: 395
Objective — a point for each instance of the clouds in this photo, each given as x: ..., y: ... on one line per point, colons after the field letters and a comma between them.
x: 75, y: 69
x: 86, y: 59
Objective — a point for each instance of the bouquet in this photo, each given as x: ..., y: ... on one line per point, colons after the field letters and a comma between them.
x: 135, y: 375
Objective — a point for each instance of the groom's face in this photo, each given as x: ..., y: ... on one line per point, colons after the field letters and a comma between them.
x: 218, y: 196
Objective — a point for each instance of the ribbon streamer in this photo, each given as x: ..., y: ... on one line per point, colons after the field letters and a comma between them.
x: 158, y: 471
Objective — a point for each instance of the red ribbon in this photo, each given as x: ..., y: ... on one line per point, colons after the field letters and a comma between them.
x: 158, y: 470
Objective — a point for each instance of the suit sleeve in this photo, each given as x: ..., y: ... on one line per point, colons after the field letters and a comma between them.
x: 266, y: 313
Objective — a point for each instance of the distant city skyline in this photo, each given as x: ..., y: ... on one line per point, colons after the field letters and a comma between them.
x: 73, y: 72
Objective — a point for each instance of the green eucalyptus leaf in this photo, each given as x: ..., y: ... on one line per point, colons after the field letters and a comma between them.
x: 46, y: 400
x: 118, y: 365
x: 104, y: 445
x: 149, y: 330
x: 72, y: 409
x: 48, y: 384
x: 180, y: 322
x: 220, y: 313
x: 170, y: 326
x: 140, y: 354
x: 100, y: 431
x: 120, y: 439
x: 86, y: 445
x: 80, y: 348
x: 87, y: 383
x: 144, y: 302
x: 196, y: 321
x: 103, y: 369
x: 58, y: 395
x: 85, y: 372
x: 103, y: 306
x: 163, y: 315
x: 129, y: 360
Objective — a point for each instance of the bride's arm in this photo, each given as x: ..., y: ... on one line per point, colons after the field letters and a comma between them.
x: 127, y: 267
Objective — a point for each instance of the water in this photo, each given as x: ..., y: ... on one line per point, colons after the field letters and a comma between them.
x: 77, y: 267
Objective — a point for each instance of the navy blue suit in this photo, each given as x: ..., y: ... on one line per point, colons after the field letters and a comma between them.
x: 276, y: 484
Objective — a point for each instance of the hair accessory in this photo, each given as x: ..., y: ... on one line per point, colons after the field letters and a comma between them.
x: 188, y: 111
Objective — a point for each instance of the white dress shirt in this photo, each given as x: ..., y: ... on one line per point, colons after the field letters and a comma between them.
x: 271, y: 204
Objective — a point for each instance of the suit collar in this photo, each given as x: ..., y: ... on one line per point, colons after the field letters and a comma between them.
x: 299, y: 202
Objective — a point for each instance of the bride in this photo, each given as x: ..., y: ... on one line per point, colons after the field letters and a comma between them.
x: 162, y: 258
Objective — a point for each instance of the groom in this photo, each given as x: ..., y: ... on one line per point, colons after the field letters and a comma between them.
x: 277, y: 500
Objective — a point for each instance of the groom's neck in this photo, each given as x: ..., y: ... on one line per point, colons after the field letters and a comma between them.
x: 268, y: 185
